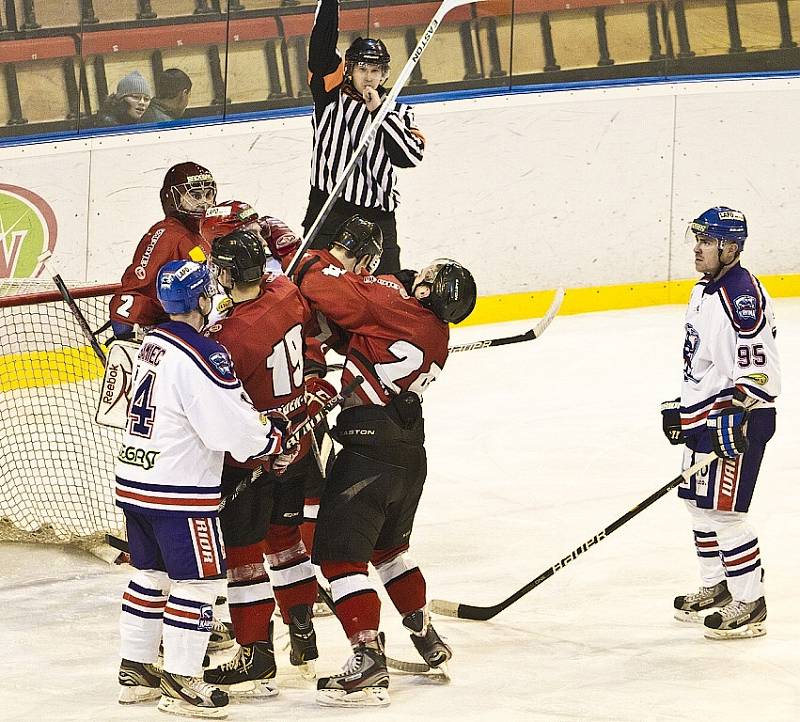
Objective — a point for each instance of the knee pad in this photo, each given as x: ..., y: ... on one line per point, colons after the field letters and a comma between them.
x: 152, y: 579
x: 247, y: 572
x: 205, y: 591
x: 394, y: 567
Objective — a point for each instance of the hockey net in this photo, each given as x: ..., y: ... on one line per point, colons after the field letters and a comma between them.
x: 56, y: 463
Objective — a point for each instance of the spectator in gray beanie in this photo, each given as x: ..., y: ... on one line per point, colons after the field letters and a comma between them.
x: 128, y: 104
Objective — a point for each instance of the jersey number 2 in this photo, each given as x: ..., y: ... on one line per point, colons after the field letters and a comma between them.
x: 410, y: 359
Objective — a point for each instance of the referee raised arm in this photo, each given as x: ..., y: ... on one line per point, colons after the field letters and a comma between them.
x: 345, y: 94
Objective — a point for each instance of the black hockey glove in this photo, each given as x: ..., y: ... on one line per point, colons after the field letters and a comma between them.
x: 726, y: 429
x: 671, y: 422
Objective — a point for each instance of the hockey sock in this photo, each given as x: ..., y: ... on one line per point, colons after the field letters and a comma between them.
x: 358, y: 607
x: 142, y: 615
x: 707, y: 546
x: 250, y: 597
x: 309, y: 525
x: 402, y: 579
x: 741, y: 557
x: 188, y: 617
x: 290, y: 569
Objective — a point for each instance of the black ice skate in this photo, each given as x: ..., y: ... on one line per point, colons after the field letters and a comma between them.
x: 363, y: 682
x: 139, y: 682
x: 738, y: 620
x: 689, y: 608
x: 303, y: 640
x: 431, y: 647
x: 249, y: 672
x: 191, y: 697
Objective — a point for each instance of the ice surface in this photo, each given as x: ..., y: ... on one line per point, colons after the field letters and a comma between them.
x: 533, y: 448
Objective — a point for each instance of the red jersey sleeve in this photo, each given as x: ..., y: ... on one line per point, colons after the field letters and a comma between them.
x: 137, y: 300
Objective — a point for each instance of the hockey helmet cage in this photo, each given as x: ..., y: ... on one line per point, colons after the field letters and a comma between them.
x: 453, y: 292
x: 721, y: 223
x: 183, y: 178
x: 242, y: 253
x: 225, y: 218
x: 360, y: 238
x: 180, y: 284
x: 367, y: 50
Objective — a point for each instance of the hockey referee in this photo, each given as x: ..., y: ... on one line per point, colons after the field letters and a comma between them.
x: 346, y: 94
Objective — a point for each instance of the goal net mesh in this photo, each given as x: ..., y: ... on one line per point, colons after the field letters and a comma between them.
x: 56, y: 463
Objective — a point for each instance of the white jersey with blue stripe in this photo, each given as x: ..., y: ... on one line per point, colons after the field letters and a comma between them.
x: 729, y: 345
x: 187, y: 409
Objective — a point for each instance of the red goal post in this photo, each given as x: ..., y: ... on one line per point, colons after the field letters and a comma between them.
x: 56, y: 463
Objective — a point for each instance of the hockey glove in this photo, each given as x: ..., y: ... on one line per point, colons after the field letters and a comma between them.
x: 278, y: 434
x: 318, y: 393
x: 671, y: 422
x: 727, y: 432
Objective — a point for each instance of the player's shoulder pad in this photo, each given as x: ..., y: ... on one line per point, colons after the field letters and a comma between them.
x: 742, y: 300
x: 206, y: 353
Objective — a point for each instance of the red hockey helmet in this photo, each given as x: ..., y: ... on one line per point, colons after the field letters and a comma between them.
x: 227, y: 217
x: 194, y: 180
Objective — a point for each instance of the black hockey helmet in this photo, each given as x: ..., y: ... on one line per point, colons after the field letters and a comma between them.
x: 453, y: 292
x: 183, y: 178
x: 242, y: 253
x: 367, y: 50
x: 360, y: 238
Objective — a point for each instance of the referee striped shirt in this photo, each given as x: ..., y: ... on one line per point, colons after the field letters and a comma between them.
x: 341, y: 120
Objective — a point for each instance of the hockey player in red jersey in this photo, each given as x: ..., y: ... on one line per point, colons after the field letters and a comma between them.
x: 188, y: 189
x: 397, y: 336
x: 230, y: 216
x: 264, y: 331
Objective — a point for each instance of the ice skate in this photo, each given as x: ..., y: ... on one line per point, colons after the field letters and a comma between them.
x: 249, y: 673
x: 191, y: 697
x: 222, y: 637
x: 303, y: 640
x: 363, y: 682
x: 738, y: 620
x: 431, y: 647
x: 690, y: 608
x: 139, y: 682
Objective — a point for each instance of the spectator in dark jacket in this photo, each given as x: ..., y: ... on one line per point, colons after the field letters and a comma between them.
x: 128, y: 104
x: 173, y: 88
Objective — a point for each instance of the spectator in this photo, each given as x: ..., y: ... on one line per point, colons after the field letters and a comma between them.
x: 173, y: 88
x: 128, y: 104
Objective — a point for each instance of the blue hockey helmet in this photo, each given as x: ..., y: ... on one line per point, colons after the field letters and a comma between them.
x: 721, y: 223
x: 180, y: 284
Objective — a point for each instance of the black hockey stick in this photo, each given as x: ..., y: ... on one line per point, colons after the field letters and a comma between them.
x: 73, y: 307
x: 534, y: 333
x: 468, y: 611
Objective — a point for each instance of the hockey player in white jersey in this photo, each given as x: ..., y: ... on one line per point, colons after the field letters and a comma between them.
x: 731, y: 377
x: 188, y: 407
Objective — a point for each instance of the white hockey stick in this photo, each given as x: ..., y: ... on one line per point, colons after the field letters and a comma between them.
x: 386, y: 106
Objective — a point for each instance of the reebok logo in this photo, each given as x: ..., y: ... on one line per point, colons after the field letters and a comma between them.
x: 357, y: 488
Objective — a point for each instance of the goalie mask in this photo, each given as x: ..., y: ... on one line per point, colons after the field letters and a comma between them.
x: 362, y: 239
x: 242, y: 253
x: 188, y: 189
x: 451, y: 290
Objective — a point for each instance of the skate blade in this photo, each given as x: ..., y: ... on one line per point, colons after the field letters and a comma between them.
x: 216, y: 647
x: 170, y: 705
x: 749, y: 631
x: 322, y: 610
x: 252, y: 689
x: 366, y: 697
x: 688, y: 617
x: 308, y: 670
x: 135, y: 695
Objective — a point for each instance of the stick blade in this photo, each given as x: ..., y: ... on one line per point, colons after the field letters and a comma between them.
x: 446, y: 609
x: 463, y: 611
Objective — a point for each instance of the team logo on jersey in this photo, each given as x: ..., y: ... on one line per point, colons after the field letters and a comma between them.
x: 222, y: 362
x: 760, y: 379
x: 27, y: 229
x: 746, y: 307
x: 206, y: 620
x: 334, y: 271
x: 135, y: 456
x: 690, y: 344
